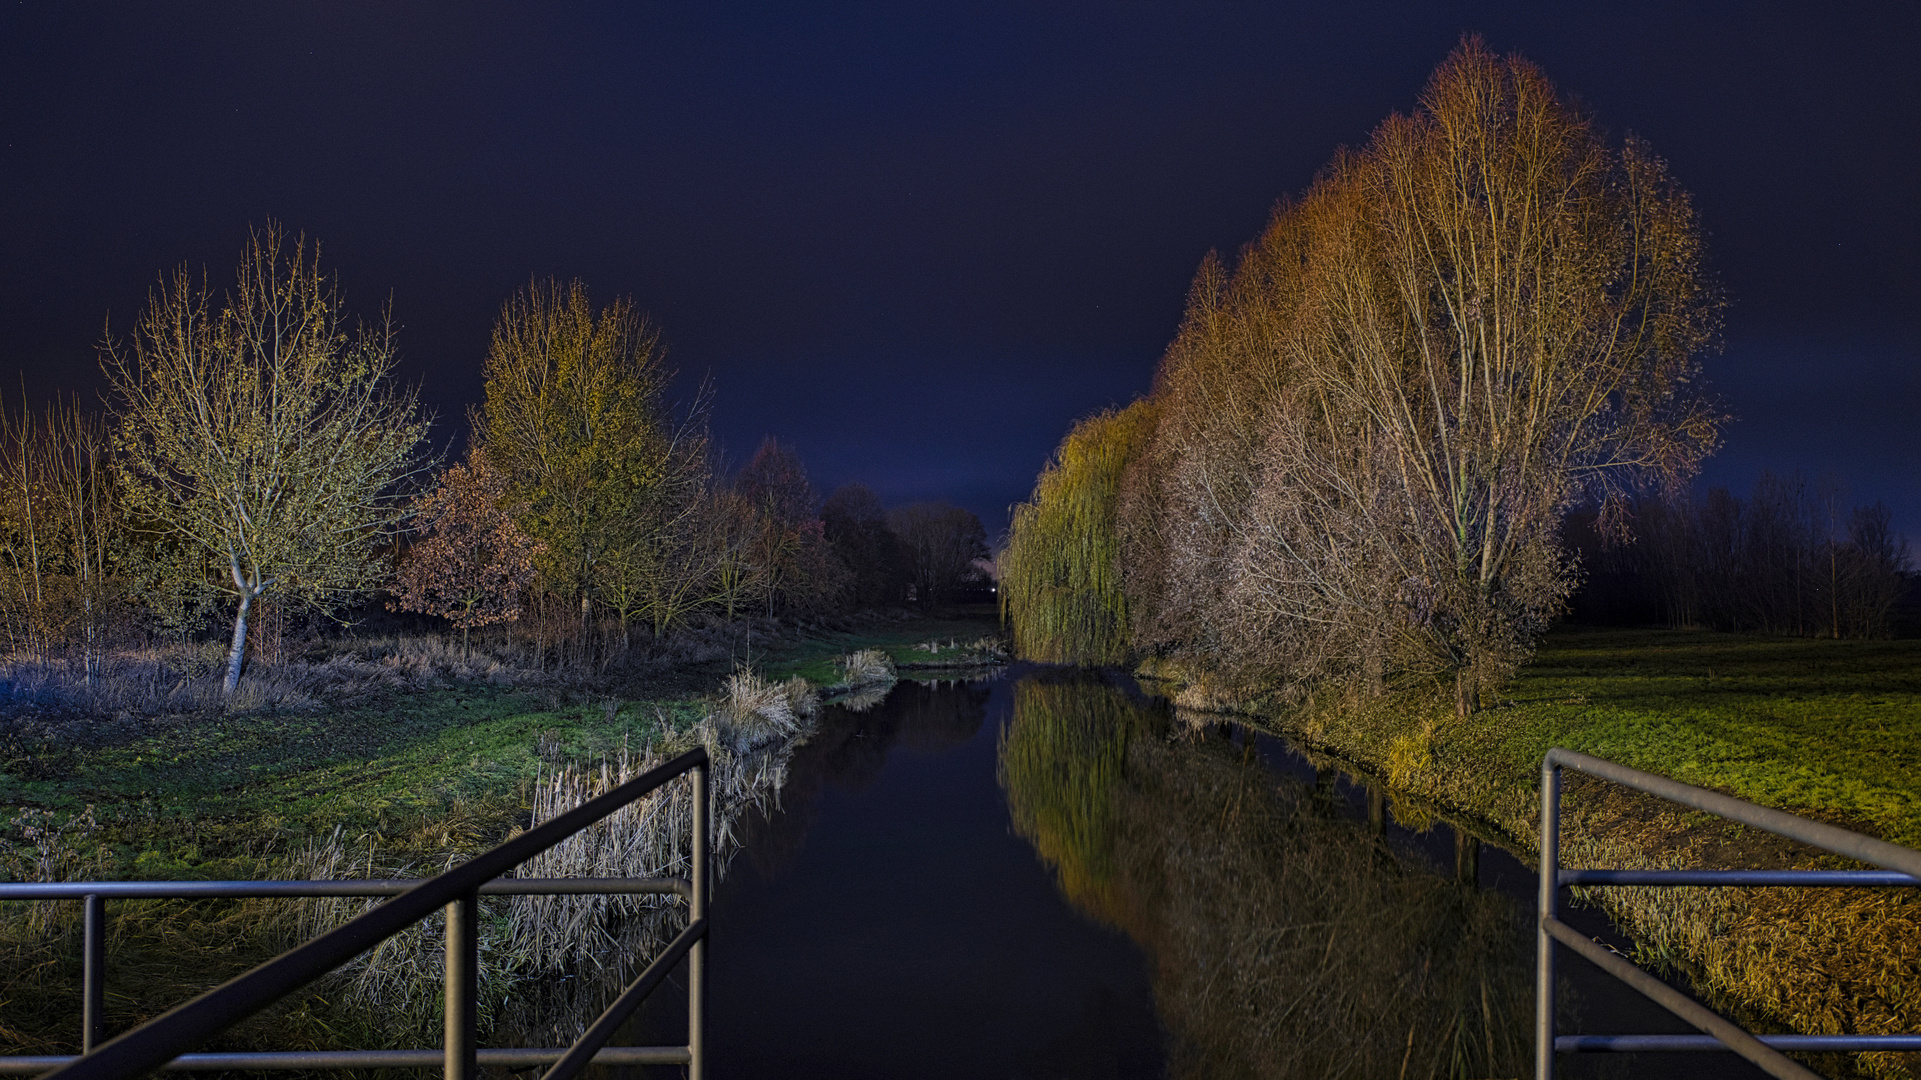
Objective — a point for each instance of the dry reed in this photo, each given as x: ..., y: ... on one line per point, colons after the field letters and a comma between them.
x: 865, y: 668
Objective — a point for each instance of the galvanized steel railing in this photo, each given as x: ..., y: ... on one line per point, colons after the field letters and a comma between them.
x: 162, y: 1043
x: 1901, y: 866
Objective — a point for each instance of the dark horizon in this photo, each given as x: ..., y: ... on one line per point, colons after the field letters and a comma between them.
x: 915, y: 245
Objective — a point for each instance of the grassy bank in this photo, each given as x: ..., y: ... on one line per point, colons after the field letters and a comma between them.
x: 396, y: 758
x: 1831, y: 730
x: 923, y: 648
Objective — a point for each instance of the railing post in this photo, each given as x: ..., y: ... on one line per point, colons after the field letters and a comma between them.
x: 93, y: 973
x: 697, y: 956
x: 1546, y: 909
x: 463, y: 985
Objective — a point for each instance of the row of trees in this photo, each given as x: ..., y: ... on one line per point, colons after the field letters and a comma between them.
x: 259, y: 450
x: 1793, y: 558
x: 584, y: 487
x: 1361, y: 443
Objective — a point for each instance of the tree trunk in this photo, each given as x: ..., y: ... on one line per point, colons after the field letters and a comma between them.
x: 1464, y: 695
x: 238, y: 652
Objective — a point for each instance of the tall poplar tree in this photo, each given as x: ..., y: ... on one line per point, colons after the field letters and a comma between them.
x: 573, y: 418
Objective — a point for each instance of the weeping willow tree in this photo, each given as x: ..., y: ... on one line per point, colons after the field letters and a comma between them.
x: 1061, y: 768
x: 1060, y: 583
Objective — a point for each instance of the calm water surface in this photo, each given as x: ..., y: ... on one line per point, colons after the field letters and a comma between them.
x: 1045, y: 875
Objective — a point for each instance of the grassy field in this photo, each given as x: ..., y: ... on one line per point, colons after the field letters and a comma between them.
x: 912, y: 647
x: 1827, y: 728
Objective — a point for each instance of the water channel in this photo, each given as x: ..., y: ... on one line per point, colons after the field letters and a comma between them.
x: 1054, y: 875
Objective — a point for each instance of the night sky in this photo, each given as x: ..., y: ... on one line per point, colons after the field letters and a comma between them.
x: 916, y: 241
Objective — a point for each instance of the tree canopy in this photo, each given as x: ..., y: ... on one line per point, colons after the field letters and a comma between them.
x: 1370, y: 425
x: 574, y: 419
x: 263, y: 434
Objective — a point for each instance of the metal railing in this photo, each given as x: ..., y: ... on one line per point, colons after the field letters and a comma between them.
x: 1901, y: 866
x: 162, y: 1043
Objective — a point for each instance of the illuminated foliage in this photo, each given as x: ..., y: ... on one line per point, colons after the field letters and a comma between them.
x: 472, y: 560
x: 262, y: 435
x: 62, y: 578
x: 1371, y: 425
x: 1060, y: 574
x: 573, y: 419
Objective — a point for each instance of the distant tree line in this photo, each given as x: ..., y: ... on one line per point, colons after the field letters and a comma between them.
x: 1361, y: 443
x: 1793, y: 559
x: 257, y: 454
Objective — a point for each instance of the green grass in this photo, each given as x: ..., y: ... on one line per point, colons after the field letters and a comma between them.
x: 412, y: 775
x: 1830, y: 728
x: 192, y: 795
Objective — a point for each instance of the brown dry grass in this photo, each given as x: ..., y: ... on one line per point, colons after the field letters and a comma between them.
x: 864, y: 668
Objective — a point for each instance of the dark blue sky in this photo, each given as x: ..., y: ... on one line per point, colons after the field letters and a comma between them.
x: 916, y: 240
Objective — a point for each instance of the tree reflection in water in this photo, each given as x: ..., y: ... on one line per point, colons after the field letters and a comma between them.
x: 1286, y: 941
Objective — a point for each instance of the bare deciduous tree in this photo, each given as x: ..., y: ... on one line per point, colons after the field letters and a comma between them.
x: 60, y: 524
x: 263, y: 432
x: 1371, y: 426
x: 941, y: 543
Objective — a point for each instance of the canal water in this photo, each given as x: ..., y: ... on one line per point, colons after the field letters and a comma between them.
x: 1053, y: 875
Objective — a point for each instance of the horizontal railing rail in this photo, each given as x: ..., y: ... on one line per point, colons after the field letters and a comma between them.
x: 1900, y: 867
x: 194, y: 890
x: 164, y: 1042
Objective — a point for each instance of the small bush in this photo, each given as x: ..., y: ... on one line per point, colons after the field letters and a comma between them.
x: 865, y: 668
x: 755, y: 711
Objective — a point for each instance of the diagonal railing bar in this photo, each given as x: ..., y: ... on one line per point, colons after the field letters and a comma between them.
x: 1867, y: 849
x: 1725, y: 1031
x: 1901, y: 867
x: 153, y: 1044
x: 582, y: 1053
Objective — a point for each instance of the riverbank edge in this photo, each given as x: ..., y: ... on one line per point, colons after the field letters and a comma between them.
x: 578, y: 724
x: 1809, y: 960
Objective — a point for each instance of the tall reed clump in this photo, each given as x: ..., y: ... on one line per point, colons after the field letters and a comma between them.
x: 754, y: 711
x: 572, y: 954
x: 1060, y: 585
x: 864, y: 668
x: 559, y: 959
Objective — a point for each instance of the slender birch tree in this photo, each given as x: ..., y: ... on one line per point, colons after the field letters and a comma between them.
x: 264, y: 433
